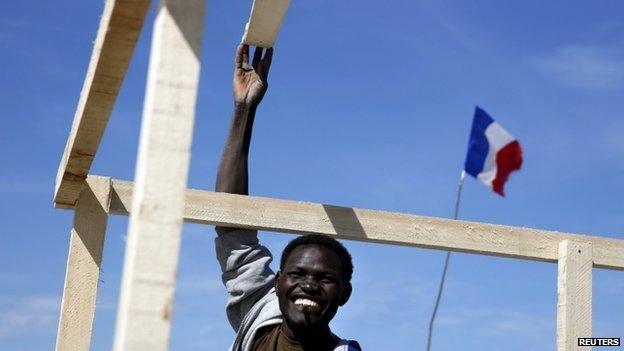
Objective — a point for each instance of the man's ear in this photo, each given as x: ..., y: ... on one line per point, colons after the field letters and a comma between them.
x: 277, y: 277
x: 346, y: 293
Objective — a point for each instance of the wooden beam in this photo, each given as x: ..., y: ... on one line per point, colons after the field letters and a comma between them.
x: 83, y: 267
x: 120, y: 27
x: 154, y: 232
x: 378, y: 226
x: 574, y: 292
x: 265, y: 21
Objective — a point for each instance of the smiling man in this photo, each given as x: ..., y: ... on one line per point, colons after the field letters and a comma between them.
x: 290, y: 310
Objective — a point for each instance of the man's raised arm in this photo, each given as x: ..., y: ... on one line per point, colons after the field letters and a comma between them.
x: 244, y: 262
x: 250, y: 85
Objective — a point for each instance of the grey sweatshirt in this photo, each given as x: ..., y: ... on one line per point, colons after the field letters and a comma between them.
x: 249, y: 281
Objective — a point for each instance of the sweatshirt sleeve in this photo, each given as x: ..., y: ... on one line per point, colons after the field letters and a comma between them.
x: 245, y: 271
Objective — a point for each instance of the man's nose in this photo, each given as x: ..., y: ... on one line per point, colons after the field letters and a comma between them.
x: 309, y: 285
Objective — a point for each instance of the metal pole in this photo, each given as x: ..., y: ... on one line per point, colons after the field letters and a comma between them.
x: 446, y: 262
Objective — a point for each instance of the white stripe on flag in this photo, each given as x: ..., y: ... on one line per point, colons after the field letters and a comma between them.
x: 498, y: 138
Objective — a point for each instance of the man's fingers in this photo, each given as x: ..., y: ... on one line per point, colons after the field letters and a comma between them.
x: 268, y: 56
x: 265, y: 64
x: 257, y: 57
x: 242, y: 55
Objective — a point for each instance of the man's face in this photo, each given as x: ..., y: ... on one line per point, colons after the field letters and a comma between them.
x: 311, y: 283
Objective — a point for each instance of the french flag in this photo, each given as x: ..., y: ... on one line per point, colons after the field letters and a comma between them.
x: 493, y: 153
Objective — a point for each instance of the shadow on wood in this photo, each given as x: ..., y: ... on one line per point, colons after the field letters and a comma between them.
x: 180, y: 11
x: 88, y: 217
x: 345, y: 221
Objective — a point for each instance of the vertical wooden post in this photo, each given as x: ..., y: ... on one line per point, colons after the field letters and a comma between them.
x: 574, y: 290
x: 151, y: 259
x: 83, y: 267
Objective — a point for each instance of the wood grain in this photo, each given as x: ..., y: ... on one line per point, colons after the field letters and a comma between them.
x: 379, y: 226
x: 83, y: 267
x: 119, y: 30
x: 574, y: 294
x: 265, y: 21
x: 153, y: 242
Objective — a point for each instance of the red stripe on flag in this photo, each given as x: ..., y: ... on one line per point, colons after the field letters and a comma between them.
x: 508, y: 159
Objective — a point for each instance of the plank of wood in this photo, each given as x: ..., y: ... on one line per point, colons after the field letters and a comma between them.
x: 154, y: 231
x: 298, y: 217
x: 83, y: 266
x: 574, y: 292
x: 265, y: 21
x: 119, y: 30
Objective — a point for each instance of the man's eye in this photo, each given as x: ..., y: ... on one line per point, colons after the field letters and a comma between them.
x: 294, y: 274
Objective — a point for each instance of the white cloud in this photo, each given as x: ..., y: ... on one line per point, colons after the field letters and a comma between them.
x: 529, y: 325
x: 31, y: 315
x: 502, y: 322
x: 587, y: 67
x: 450, y: 321
x: 412, y: 296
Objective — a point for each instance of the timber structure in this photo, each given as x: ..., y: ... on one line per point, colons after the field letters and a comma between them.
x: 156, y: 216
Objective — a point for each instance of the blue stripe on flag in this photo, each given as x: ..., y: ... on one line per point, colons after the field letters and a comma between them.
x: 478, y: 146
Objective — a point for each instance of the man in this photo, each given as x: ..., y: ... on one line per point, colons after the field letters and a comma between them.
x: 290, y: 310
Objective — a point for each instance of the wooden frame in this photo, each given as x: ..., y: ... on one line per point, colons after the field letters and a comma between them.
x: 297, y: 217
x: 83, y: 266
x: 575, y: 254
x: 265, y: 21
x: 155, y: 228
x: 574, y: 290
x: 120, y: 27
x: 156, y: 215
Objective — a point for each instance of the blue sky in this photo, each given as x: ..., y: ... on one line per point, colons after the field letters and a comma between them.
x: 369, y: 105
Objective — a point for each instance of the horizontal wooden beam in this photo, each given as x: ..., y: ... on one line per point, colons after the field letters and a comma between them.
x: 120, y: 27
x: 299, y: 217
x: 265, y: 21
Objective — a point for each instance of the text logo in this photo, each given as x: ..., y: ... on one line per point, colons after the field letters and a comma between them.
x: 598, y: 342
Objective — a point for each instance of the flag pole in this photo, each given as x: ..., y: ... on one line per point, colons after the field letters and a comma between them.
x: 446, y: 261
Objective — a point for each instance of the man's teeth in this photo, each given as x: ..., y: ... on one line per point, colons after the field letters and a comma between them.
x: 306, y: 302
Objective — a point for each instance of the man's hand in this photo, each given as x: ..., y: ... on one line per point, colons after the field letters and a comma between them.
x: 250, y: 81
x: 250, y: 84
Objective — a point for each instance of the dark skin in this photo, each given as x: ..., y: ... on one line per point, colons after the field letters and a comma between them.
x: 250, y: 84
x: 310, y: 272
